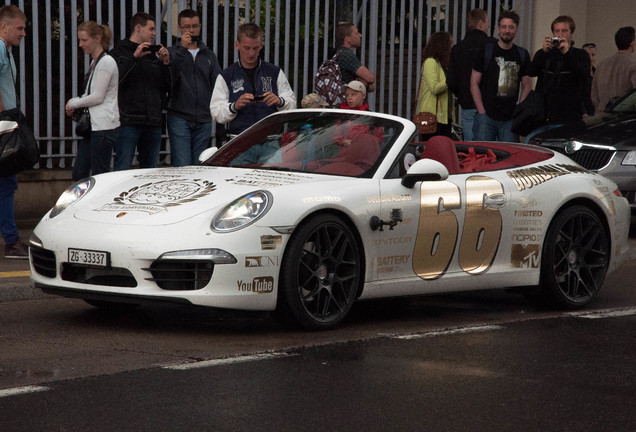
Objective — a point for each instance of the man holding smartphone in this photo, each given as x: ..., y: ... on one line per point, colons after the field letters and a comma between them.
x: 194, y: 70
x: 144, y: 82
x: 250, y: 89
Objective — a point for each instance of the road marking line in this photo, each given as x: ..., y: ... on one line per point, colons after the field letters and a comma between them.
x: 460, y: 330
x: 606, y: 313
x: 228, y: 361
x: 15, y: 274
x: 22, y: 390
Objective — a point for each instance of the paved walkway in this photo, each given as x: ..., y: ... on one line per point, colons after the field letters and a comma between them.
x: 15, y: 283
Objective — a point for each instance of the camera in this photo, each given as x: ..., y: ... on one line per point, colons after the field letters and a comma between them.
x: 194, y: 38
x: 259, y: 97
x: 153, y: 49
x: 556, y: 41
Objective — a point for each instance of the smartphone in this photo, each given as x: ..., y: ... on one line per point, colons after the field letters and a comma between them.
x: 194, y: 38
x: 259, y: 97
x: 153, y: 49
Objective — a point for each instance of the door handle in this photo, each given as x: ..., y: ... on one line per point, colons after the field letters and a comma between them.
x: 497, y: 200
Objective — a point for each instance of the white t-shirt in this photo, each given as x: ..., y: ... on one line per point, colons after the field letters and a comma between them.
x: 102, y: 100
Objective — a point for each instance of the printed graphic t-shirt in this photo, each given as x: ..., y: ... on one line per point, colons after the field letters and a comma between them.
x: 500, y: 80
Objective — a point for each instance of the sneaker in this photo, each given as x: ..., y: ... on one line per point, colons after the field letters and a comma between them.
x: 17, y: 250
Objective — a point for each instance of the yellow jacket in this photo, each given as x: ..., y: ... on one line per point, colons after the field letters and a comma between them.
x: 433, y: 88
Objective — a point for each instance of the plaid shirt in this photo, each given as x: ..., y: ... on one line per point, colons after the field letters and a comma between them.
x: 349, y: 64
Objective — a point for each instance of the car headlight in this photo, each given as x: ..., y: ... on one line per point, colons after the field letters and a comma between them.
x: 242, y: 212
x: 630, y: 158
x: 71, y: 195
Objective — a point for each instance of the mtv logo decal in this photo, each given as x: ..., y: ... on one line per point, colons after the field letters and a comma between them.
x: 525, y: 256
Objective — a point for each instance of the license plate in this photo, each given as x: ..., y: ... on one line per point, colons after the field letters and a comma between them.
x: 89, y: 257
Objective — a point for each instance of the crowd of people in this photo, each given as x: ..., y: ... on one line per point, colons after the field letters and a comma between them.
x: 489, y: 77
x: 127, y: 88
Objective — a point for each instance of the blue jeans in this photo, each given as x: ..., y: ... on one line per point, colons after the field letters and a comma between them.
x: 146, y: 139
x: 8, y: 186
x: 94, y: 154
x: 487, y: 129
x: 187, y: 140
x: 468, y: 120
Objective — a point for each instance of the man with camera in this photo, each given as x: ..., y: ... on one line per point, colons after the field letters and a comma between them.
x: 144, y: 81
x: 563, y: 74
x: 250, y: 89
x: 194, y: 68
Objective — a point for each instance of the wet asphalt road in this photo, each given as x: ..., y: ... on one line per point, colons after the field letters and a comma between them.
x: 574, y: 373
x: 480, y: 361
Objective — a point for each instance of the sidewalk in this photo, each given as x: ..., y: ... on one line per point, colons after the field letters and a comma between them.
x: 15, y: 283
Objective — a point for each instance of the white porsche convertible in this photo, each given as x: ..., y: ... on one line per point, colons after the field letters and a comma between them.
x: 310, y: 210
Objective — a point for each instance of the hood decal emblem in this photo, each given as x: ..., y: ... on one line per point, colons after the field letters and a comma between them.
x: 159, y: 196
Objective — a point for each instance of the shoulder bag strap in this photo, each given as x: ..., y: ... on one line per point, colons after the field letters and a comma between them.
x: 15, y: 84
x: 91, y: 71
x: 417, y: 97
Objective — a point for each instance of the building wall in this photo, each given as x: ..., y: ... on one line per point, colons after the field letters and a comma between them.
x: 596, y: 21
x: 604, y: 19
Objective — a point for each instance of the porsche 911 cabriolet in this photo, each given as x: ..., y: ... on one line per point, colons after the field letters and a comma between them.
x: 308, y: 211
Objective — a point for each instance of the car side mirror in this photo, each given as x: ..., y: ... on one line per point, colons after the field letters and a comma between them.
x: 424, y: 170
x: 207, y: 154
x: 611, y: 104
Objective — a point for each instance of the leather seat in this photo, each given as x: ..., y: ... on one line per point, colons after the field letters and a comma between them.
x: 442, y: 149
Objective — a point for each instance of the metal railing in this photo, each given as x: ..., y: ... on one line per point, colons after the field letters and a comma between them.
x: 298, y: 38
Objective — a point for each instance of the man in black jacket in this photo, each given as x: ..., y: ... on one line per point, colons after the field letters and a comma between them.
x: 463, y: 57
x: 195, y: 68
x: 144, y: 80
x: 563, y: 74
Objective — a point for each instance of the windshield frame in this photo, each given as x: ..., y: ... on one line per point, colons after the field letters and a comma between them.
x: 324, y: 124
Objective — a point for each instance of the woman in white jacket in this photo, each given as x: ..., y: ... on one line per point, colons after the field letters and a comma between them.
x: 94, y: 153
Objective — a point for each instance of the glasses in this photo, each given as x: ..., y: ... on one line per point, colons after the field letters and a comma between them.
x: 191, y: 27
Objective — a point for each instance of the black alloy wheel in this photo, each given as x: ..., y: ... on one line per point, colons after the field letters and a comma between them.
x: 576, y: 255
x: 321, y: 273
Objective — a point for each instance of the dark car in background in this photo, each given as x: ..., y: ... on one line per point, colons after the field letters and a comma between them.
x: 605, y: 143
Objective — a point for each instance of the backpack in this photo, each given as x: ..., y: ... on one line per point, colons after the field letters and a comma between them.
x: 328, y: 81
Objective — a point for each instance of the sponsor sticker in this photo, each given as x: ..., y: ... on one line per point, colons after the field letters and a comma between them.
x: 258, y: 285
x: 525, y: 256
x: 269, y: 242
x: 261, y: 261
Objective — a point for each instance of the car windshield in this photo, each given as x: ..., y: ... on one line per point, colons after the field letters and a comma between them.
x: 325, y: 142
x: 626, y: 104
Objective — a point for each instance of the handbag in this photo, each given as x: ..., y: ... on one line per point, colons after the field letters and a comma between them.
x: 426, y: 122
x: 82, y: 118
x: 19, y: 149
x: 529, y: 114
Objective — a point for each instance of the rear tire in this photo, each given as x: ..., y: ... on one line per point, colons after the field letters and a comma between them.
x: 320, y: 275
x: 576, y: 254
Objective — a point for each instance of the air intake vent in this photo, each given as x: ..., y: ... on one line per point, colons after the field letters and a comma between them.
x: 43, y: 261
x: 181, y: 275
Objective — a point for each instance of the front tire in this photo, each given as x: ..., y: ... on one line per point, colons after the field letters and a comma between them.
x: 321, y: 273
x: 576, y: 255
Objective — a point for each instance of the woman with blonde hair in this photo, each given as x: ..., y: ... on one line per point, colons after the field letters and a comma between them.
x: 94, y: 153
x: 432, y: 90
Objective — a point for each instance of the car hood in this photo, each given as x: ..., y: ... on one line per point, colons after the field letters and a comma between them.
x: 612, y: 129
x: 171, y: 195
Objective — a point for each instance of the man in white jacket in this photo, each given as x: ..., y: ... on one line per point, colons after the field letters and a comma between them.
x: 250, y: 89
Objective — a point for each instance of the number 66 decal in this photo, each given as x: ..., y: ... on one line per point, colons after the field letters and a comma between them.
x: 438, y: 227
